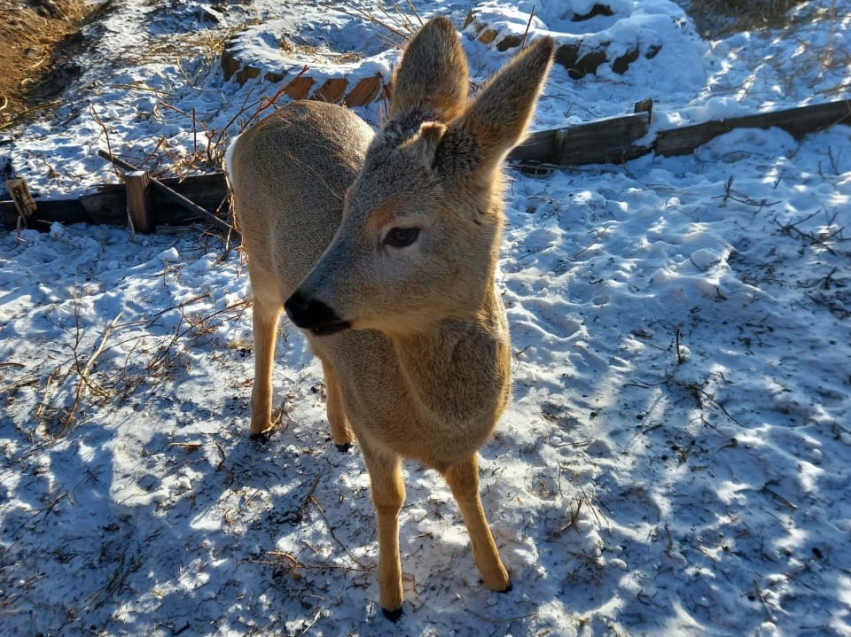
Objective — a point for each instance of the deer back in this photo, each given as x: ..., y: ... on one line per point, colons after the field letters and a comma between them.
x: 289, y: 174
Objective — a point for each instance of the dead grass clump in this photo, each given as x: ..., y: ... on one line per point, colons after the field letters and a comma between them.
x: 717, y: 18
x: 40, y: 41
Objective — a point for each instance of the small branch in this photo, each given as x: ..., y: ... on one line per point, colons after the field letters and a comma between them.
x: 680, y: 358
x: 105, y: 133
x: 264, y: 104
x: 295, y: 565
x: 574, y: 516
x: 762, y: 599
x: 528, y: 24
x: 311, y: 623
x: 415, y: 12
x: 66, y: 421
x: 45, y: 396
x: 494, y: 620
x: 838, y: 310
x: 333, y: 535
x: 178, y: 306
x: 600, y: 234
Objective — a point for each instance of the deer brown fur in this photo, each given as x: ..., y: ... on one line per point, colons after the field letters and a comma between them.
x: 383, y: 249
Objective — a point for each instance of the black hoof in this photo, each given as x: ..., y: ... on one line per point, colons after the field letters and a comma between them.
x: 508, y: 588
x: 393, y: 615
x: 261, y: 439
x: 344, y: 448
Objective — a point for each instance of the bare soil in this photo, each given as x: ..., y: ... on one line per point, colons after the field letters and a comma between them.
x: 40, y: 40
x: 718, y: 18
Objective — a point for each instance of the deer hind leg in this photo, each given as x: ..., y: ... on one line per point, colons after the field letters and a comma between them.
x: 463, y: 480
x: 341, y: 432
x: 388, y: 494
x: 265, y: 316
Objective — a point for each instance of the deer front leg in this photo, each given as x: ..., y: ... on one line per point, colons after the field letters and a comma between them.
x: 463, y: 480
x: 265, y: 316
x: 388, y: 494
x: 341, y: 432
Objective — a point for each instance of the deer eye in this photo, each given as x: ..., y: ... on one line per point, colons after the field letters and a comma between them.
x: 401, y: 237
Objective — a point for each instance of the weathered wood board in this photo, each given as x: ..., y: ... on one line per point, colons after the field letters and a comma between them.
x: 609, y: 141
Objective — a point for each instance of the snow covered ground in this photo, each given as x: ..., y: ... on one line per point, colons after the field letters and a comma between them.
x: 677, y: 456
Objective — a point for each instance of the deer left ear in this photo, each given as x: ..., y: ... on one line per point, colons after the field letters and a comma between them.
x: 433, y: 73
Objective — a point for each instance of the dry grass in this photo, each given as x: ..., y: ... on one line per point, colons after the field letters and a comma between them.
x: 717, y: 18
x: 119, y: 365
x: 40, y: 40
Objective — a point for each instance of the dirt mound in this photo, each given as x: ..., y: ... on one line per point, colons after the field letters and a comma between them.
x: 40, y: 40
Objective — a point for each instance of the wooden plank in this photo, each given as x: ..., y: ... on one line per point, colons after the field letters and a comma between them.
x: 608, y: 141
x: 109, y: 204
x: 541, y: 146
x: 138, y: 189
x: 23, y: 201
x: 49, y: 210
x: 174, y: 196
x: 796, y: 121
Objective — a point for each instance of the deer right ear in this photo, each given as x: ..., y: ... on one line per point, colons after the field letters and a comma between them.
x: 433, y: 73
x: 497, y: 119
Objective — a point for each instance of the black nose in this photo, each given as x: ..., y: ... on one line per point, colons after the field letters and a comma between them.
x: 314, y: 315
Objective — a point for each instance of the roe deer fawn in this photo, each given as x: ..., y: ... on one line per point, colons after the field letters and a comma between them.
x: 383, y: 250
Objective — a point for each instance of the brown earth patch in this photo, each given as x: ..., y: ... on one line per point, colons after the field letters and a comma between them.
x: 40, y: 39
x: 720, y: 18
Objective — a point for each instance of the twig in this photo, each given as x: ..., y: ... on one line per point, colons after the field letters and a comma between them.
x: 761, y: 597
x: 574, y: 516
x: 400, y: 13
x: 680, y: 358
x: 66, y: 421
x: 494, y: 620
x: 414, y: 10
x: 306, y: 500
x: 295, y: 565
x: 310, y: 625
x: 22, y: 114
x: 45, y: 394
x: 528, y: 24
x: 779, y: 497
x: 732, y: 195
x: 175, y: 307
x: 822, y: 241
x: 838, y: 310
x: 368, y: 16
x: 600, y: 234
x: 333, y: 535
x: 715, y: 403
x: 105, y: 133
x: 264, y: 104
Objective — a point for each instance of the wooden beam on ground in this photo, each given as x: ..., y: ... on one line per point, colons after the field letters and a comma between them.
x: 108, y: 204
x: 608, y: 141
x: 795, y: 121
x: 174, y: 196
x: 613, y: 140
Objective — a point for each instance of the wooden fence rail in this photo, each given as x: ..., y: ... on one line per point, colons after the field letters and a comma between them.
x: 609, y: 141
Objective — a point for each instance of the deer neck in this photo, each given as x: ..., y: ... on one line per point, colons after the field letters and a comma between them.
x: 457, y: 370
